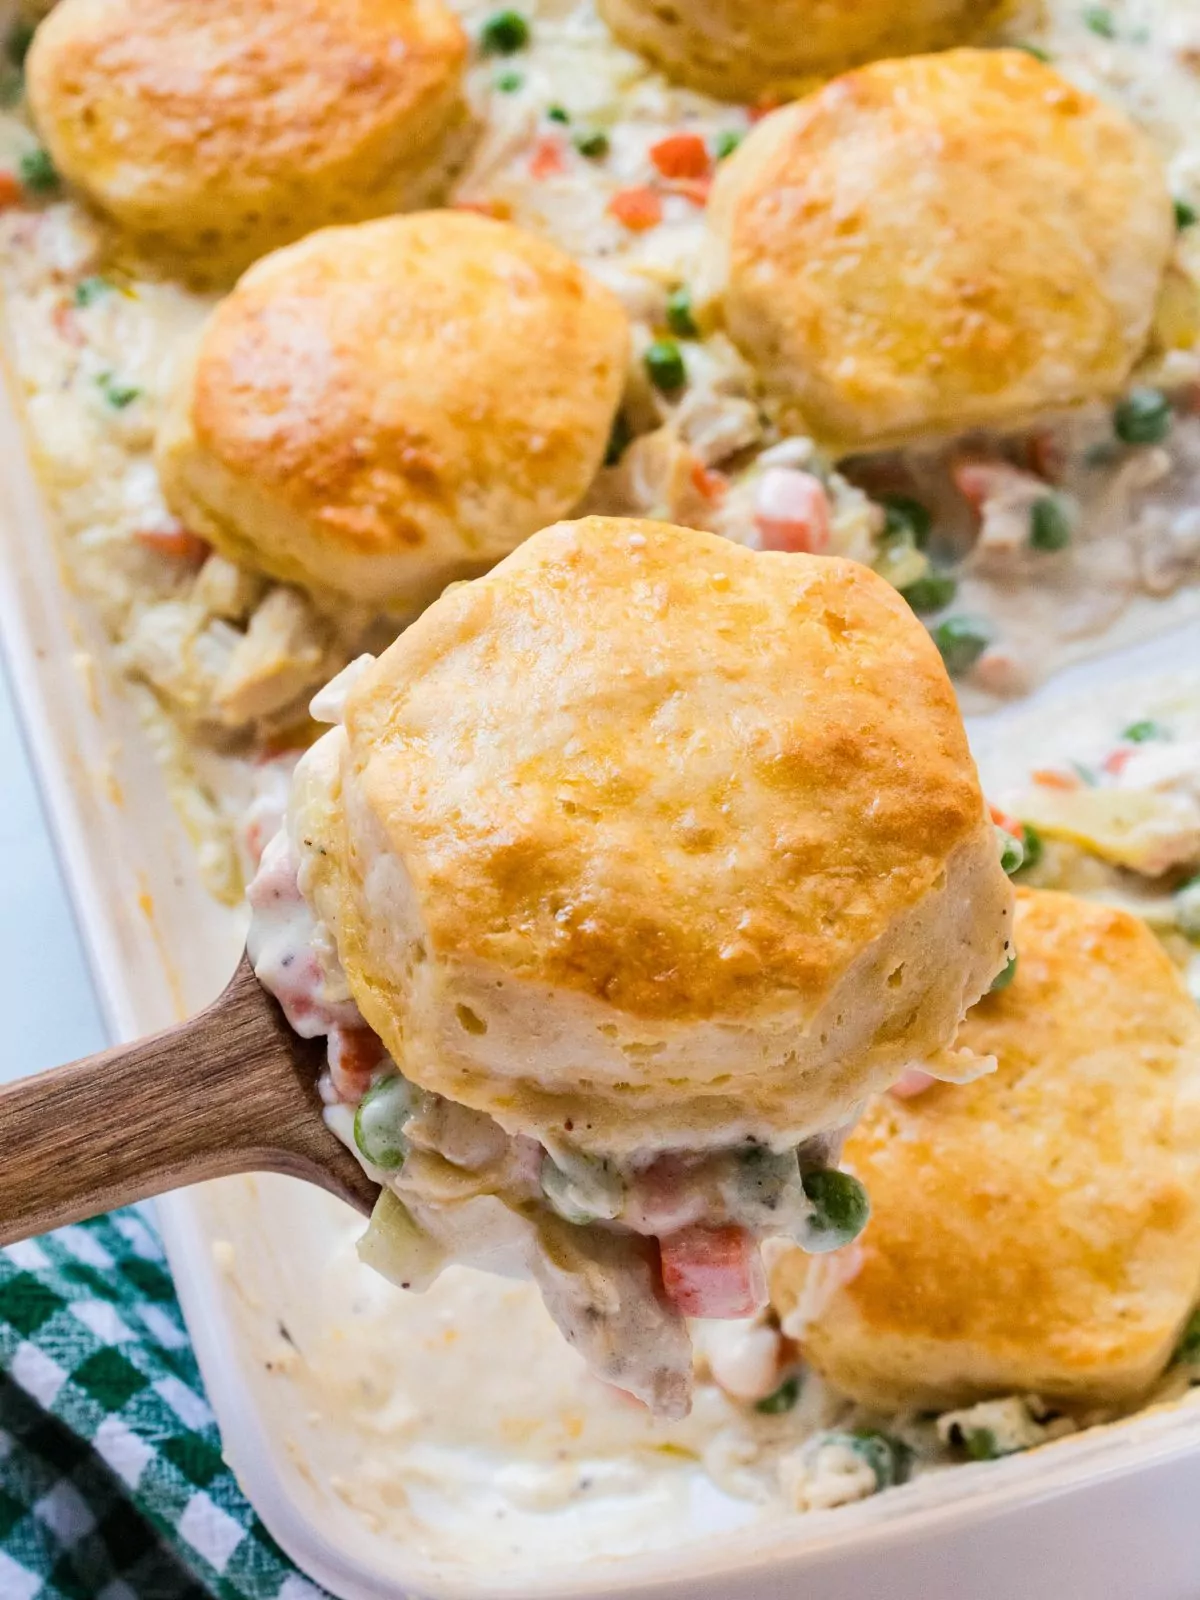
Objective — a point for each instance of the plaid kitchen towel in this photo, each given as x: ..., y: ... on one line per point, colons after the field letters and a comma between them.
x: 112, y: 1485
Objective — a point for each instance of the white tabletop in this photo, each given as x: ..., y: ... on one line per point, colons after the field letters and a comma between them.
x: 51, y: 1009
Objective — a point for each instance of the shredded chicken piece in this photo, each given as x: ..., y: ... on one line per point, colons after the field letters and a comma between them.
x: 284, y: 651
x: 226, y: 590
x: 602, y: 1289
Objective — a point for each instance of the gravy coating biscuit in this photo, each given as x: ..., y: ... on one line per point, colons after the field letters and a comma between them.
x: 940, y: 242
x: 215, y: 131
x: 743, y: 49
x: 379, y: 410
x: 1037, y: 1230
x: 652, y: 842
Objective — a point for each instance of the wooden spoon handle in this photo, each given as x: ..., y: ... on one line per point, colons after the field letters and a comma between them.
x: 232, y: 1090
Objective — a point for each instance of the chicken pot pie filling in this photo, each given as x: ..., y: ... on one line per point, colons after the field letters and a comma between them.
x: 641, y: 1115
x: 1113, y: 811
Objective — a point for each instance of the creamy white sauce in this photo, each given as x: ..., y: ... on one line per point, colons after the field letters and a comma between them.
x: 1147, y: 809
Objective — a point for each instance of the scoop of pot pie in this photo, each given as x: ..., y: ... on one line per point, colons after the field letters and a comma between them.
x: 650, y: 842
x: 379, y: 410
x: 217, y: 131
x: 936, y: 243
x: 743, y: 49
x: 1038, y: 1229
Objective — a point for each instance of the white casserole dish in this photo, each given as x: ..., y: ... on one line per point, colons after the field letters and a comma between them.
x: 1109, y: 1513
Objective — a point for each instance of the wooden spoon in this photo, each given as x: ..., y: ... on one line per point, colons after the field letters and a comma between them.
x: 231, y: 1090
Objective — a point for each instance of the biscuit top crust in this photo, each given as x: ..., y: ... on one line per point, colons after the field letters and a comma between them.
x: 933, y: 242
x: 649, y: 765
x: 434, y: 377
x: 143, y: 100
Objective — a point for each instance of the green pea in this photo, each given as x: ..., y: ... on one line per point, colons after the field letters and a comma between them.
x: 1186, y: 902
x: 118, y: 394
x: 558, y: 114
x: 931, y: 593
x: 1049, y: 525
x: 1012, y: 852
x: 726, y: 142
x: 1142, y: 732
x: 783, y: 1398
x: 840, y: 1209
x: 1186, y: 215
x: 593, y: 145
x: 504, y: 33
x: 1100, y: 20
x: 37, y: 172
x: 1032, y: 844
x: 905, y: 516
x: 1188, y: 1348
x: 89, y: 290
x: 1005, y: 977
x: 961, y: 640
x: 888, y: 1458
x: 618, y: 440
x: 664, y: 363
x: 1142, y: 417
x: 981, y: 1444
x: 379, y: 1122
x: 679, y: 313
x: 17, y: 42
x: 509, y: 82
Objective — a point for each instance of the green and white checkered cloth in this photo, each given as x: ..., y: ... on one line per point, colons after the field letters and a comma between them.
x: 112, y: 1485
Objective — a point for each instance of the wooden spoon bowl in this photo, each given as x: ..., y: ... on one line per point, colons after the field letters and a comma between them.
x: 231, y: 1090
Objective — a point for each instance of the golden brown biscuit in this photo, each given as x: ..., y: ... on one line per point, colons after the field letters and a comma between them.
x: 939, y: 242
x: 1037, y: 1230
x: 217, y: 131
x: 378, y: 410
x: 743, y: 49
x: 656, y: 842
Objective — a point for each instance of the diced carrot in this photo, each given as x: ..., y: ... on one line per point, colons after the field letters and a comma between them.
x: 682, y: 155
x: 1047, y: 456
x: 11, y: 192
x: 697, y: 190
x: 714, y: 486
x: 974, y: 480
x: 1116, y: 761
x: 66, y: 323
x: 793, y: 538
x: 1003, y: 820
x: 354, y: 1053
x: 1049, y: 778
x: 547, y: 159
x: 712, y: 1272
x: 636, y: 209
x: 792, y: 511
x: 175, y: 542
